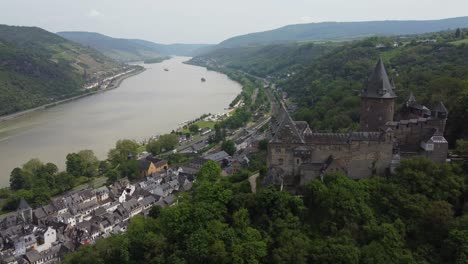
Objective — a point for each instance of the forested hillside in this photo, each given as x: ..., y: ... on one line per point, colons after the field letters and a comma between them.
x: 324, y: 80
x: 127, y: 50
x: 343, y: 31
x: 404, y: 219
x: 39, y: 67
x: 266, y: 60
x: 327, y: 91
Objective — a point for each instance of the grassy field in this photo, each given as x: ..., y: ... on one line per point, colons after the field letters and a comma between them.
x: 201, y: 124
x: 460, y: 42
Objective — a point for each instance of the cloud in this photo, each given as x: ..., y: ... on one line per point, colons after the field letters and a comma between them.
x: 93, y: 13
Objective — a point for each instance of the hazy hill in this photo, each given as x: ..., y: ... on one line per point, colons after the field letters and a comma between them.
x: 38, y: 67
x: 275, y: 59
x: 343, y: 30
x: 130, y: 49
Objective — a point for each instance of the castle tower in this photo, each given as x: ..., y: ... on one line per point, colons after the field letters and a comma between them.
x: 24, y: 212
x: 377, y: 100
x: 440, y: 113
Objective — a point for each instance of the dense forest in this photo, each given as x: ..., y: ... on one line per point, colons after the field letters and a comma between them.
x: 339, y: 220
x: 270, y: 60
x: 39, y: 67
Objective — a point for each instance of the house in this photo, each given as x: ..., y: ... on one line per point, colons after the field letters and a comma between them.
x: 67, y: 218
x: 219, y: 157
x: 198, y: 146
x: 197, y: 163
x: 146, y: 167
x: 45, y: 237
x: 133, y: 207
x: 150, y: 165
x: 23, y: 243
x: 102, y: 193
x: 87, y: 195
x: 59, y: 205
x: 169, y: 200
x: 149, y: 201
x: 163, y: 190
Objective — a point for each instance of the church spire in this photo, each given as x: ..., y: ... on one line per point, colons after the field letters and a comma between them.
x: 379, y: 85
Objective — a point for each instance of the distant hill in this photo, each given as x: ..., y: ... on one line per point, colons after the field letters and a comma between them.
x: 268, y: 60
x: 343, y: 30
x: 126, y: 50
x: 39, y: 67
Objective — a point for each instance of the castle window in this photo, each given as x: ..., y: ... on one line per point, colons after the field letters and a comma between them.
x: 297, y: 161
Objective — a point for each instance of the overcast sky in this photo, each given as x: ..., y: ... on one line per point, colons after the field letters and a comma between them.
x: 210, y: 21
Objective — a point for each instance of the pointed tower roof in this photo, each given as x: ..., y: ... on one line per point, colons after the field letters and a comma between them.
x: 23, y: 204
x: 287, y: 130
x: 440, y: 108
x: 379, y: 85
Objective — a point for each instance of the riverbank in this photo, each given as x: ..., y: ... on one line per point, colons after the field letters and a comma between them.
x: 115, y: 84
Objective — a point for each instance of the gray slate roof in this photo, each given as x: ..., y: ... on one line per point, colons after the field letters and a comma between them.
x: 379, y: 86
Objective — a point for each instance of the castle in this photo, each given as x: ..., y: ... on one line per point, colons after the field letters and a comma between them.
x: 297, y: 154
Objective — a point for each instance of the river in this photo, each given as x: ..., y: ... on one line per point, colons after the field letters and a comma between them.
x: 152, y: 102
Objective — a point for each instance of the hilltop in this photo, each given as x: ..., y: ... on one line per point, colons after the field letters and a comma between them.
x: 343, y: 31
x: 39, y: 67
x: 126, y: 50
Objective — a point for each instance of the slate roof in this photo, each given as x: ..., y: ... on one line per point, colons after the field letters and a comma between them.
x: 441, y: 108
x: 157, y: 162
x: 379, y: 85
x: 23, y: 204
x: 286, y: 128
x: 218, y: 156
x: 343, y: 138
x: 144, y: 164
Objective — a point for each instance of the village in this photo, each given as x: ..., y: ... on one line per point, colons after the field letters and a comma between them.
x: 84, y: 216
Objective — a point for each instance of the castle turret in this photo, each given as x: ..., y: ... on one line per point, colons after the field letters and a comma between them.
x: 377, y: 100
x: 439, y: 115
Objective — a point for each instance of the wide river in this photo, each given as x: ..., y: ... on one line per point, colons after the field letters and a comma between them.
x: 152, y: 102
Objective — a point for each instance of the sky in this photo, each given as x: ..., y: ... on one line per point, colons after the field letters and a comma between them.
x: 210, y: 21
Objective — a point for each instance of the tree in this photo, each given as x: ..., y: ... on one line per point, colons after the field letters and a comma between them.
x: 263, y: 144
x: 229, y: 146
x: 18, y: 179
x: 458, y: 33
x: 210, y: 171
x: 112, y: 176
x: 32, y: 166
x: 123, y: 150
x: 154, y: 147
x: 130, y: 169
x: 155, y: 211
x: 89, y: 163
x: 436, y: 181
x: 169, y: 142
x: 462, y: 147
x: 194, y: 128
x: 74, y: 165
x: 64, y: 181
